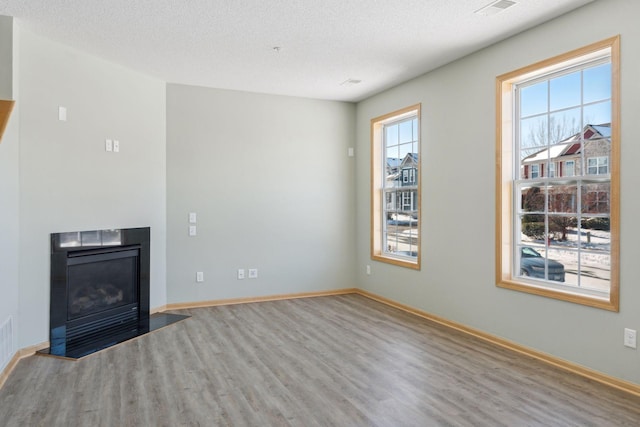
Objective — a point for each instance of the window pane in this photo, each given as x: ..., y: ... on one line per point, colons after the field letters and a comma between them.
x: 532, y: 199
x: 534, y: 132
x: 596, y: 198
x: 595, y: 271
x: 598, y: 114
x: 533, y: 99
x: 404, y: 149
x: 565, y: 91
x: 406, y: 131
x: 562, y: 266
x: 595, y: 234
x: 401, y: 234
x: 562, y: 231
x: 391, y: 135
x: 597, y: 83
x: 564, y: 124
x: 562, y: 198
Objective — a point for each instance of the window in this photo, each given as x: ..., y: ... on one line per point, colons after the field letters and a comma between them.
x: 535, y: 171
x: 557, y: 221
x: 552, y: 170
x: 598, y: 165
x: 395, y: 188
x: 569, y: 168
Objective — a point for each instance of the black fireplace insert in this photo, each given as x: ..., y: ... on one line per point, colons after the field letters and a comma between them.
x: 100, y: 290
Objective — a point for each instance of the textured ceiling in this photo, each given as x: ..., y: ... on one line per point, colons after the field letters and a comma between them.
x: 230, y: 43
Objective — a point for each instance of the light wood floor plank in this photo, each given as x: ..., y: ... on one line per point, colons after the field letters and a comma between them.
x: 328, y: 361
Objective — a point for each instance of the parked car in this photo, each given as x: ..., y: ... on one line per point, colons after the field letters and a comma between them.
x: 532, y: 265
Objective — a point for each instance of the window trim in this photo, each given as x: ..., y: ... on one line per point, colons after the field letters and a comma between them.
x: 377, y: 137
x: 504, y: 174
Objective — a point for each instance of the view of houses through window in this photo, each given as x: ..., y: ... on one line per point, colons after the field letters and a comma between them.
x: 563, y: 193
x: 395, y: 188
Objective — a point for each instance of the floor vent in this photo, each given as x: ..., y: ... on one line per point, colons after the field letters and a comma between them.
x: 6, y: 342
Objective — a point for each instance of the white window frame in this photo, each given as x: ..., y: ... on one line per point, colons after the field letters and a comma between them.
x: 507, y: 214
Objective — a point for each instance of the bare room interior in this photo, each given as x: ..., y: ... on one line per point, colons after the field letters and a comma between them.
x: 319, y: 213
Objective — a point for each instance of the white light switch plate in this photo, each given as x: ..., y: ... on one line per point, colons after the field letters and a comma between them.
x: 193, y: 217
x: 192, y: 230
x: 630, y: 338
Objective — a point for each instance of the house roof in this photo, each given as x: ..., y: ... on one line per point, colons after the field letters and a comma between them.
x: 571, y: 145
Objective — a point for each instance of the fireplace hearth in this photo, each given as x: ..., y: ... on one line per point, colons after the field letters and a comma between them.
x: 100, y: 290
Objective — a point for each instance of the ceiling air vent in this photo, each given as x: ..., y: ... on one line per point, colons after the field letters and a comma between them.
x: 495, y: 7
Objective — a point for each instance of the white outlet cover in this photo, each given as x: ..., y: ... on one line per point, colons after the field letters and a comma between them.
x: 116, y: 146
x: 240, y: 273
x: 192, y: 230
x: 253, y: 273
x: 199, y: 276
x: 193, y: 218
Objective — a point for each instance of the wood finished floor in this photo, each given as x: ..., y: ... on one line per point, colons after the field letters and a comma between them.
x: 325, y: 361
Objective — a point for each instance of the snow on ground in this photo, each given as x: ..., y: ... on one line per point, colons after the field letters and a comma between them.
x: 595, y: 259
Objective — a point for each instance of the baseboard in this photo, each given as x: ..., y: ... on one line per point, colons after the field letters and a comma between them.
x: 158, y: 309
x: 20, y: 354
x: 231, y: 301
x: 574, y: 368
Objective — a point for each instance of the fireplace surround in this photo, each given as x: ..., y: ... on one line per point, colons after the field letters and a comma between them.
x: 100, y: 290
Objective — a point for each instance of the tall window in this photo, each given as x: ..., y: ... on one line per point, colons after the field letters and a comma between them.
x: 557, y: 231
x: 395, y: 188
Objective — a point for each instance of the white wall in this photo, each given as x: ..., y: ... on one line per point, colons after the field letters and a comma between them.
x: 67, y: 180
x: 271, y: 183
x: 458, y: 139
x: 9, y: 195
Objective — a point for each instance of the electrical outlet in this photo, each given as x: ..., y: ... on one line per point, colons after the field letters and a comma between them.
x: 368, y: 270
x: 199, y: 276
x: 192, y: 230
x: 630, y: 338
x: 253, y: 273
x: 240, y: 273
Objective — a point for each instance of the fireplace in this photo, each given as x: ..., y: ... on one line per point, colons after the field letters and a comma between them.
x: 100, y: 290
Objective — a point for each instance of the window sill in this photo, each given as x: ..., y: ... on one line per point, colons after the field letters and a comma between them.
x: 605, y: 303
x: 399, y: 261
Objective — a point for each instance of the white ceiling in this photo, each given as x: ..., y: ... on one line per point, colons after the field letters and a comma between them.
x: 230, y: 44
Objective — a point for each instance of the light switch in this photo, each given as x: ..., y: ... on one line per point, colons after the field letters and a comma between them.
x: 192, y: 230
x: 108, y: 145
x: 192, y: 217
x: 62, y: 114
x: 116, y: 146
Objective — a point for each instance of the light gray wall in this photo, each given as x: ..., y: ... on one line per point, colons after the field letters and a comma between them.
x: 9, y: 194
x: 6, y: 56
x: 67, y: 180
x: 273, y: 188
x: 458, y: 139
